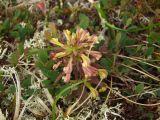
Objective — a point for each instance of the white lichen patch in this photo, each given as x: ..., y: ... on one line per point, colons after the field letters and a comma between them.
x: 98, y: 112
x: 38, y: 41
x: 106, y: 111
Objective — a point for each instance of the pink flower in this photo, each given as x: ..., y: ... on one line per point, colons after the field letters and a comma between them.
x: 90, y: 71
x: 97, y: 55
x: 41, y: 6
x: 68, y: 70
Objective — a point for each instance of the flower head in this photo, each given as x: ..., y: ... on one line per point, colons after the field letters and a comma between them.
x: 77, y: 49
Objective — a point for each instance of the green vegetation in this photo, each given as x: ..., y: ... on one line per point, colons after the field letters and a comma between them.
x: 76, y: 60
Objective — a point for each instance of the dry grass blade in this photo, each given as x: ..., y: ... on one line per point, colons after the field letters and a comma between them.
x: 48, y: 95
x: 134, y: 95
x: 150, y: 76
x: 69, y: 110
x: 131, y: 101
x: 89, y: 96
x: 44, y: 105
x: 129, y: 79
x: 135, y: 59
x: 16, y: 80
x: 23, y: 109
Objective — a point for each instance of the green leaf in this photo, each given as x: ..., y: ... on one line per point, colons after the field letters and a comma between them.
x: 26, y: 82
x: 127, y: 93
x: 132, y: 51
x: 139, y: 88
x: 157, y: 93
x: 1, y: 86
x: 149, y: 51
x: 1, y: 75
x: 12, y: 89
x: 103, y: 17
x: 14, y: 34
x: 43, y: 55
x: 52, y: 75
x: 22, y: 33
x: 112, y: 44
x: 17, y: 14
x: 6, y: 25
x: 28, y: 93
x: 101, y: 12
x: 132, y: 28
x: 106, y: 63
x: 123, y: 39
x: 31, y: 52
x: 21, y: 48
x: 47, y: 83
x: 158, y: 69
x: 49, y: 64
x: 153, y: 37
x: 104, y: 3
x: 16, y: 54
x: 14, y: 58
x: 150, y: 115
x: 63, y: 87
x: 123, y: 70
x: 84, y: 21
x: 115, y: 2
x: 40, y: 65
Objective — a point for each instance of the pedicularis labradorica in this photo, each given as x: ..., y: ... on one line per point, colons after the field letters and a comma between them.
x: 77, y: 56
